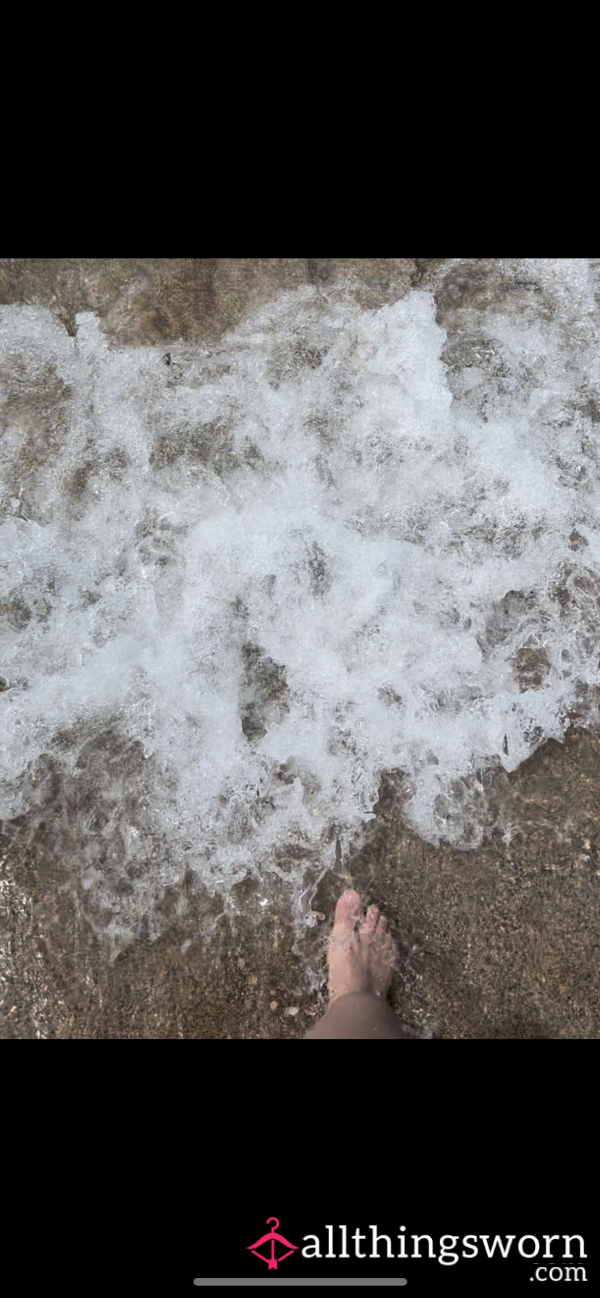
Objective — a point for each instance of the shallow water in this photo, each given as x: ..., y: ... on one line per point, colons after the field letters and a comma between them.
x: 251, y: 591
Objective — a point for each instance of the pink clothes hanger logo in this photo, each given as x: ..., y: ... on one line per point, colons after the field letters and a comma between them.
x: 272, y: 1236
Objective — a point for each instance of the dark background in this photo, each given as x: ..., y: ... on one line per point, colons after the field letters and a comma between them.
x: 167, y: 1194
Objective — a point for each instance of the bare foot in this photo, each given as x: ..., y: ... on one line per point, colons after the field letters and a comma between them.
x: 362, y: 951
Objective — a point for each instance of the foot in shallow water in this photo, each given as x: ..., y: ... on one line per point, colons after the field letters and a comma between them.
x: 362, y: 951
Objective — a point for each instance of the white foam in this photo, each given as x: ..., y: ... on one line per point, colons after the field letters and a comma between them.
x: 368, y: 536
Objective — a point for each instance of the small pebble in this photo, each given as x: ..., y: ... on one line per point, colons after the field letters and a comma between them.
x: 274, y: 1005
